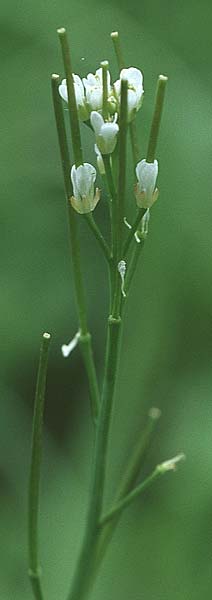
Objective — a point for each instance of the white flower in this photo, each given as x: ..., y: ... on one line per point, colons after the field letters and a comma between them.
x: 99, y: 160
x: 134, y: 78
x: 79, y: 95
x: 106, y: 133
x: 94, y: 89
x: 145, y: 191
x: 83, y: 178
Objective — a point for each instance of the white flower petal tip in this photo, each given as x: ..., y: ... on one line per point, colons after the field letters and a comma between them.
x: 105, y: 132
x: 84, y: 199
x: 154, y: 413
x: 93, y: 85
x: 171, y: 465
x: 134, y: 78
x: 145, y: 192
x: 66, y: 349
x: 122, y: 271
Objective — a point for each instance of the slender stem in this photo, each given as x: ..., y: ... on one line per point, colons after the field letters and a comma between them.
x: 131, y: 473
x: 132, y: 126
x: 104, y: 65
x: 119, y: 507
x: 122, y: 166
x: 138, y: 247
x: 117, y: 47
x: 84, y: 571
x: 161, y: 469
x: 134, y: 143
x: 85, y: 338
x: 98, y: 235
x: 73, y: 114
x: 113, y: 194
x: 141, y: 213
x: 159, y: 101
x: 35, y: 468
x: 119, y: 213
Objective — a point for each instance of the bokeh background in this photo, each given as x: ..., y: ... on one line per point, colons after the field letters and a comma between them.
x: 163, y: 546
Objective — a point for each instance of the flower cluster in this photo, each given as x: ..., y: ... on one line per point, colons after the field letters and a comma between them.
x: 89, y: 100
x: 89, y: 93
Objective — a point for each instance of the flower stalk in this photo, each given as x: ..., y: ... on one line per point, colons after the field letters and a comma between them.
x: 35, y: 469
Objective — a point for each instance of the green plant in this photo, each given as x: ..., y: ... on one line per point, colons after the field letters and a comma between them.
x: 110, y: 111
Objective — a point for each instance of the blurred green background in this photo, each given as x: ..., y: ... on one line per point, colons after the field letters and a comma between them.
x: 163, y: 546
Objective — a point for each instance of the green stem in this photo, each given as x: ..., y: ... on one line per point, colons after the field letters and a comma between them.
x: 113, y: 194
x: 119, y: 212
x: 122, y: 167
x: 119, y: 507
x: 159, y: 101
x: 131, y: 473
x: 141, y: 213
x: 138, y: 247
x: 73, y: 113
x: 98, y: 235
x: 132, y: 126
x: 118, y: 51
x: 85, y: 336
x: 134, y: 143
x: 84, y: 571
x: 35, y: 468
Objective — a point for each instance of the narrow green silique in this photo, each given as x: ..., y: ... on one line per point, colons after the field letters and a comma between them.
x: 35, y: 470
x: 119, y: 507
x: 98, y: 235
x: 154, y: 132
x: 132, y: 126
x: 113, y: 201
x: 72, y: 105
x: 85, y: 336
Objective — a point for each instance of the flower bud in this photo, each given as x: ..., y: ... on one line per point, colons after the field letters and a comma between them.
x: 106, y: 133
x: 145, y: 191
x: 83, y: 178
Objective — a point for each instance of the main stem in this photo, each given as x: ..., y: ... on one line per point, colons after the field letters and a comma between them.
x: 84, y: 570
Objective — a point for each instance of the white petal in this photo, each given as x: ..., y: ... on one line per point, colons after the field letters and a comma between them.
x: 97, y: 122
x: 78, y: 82
x: 74, y: 181
x: 63, y: 90
x: 94, y: 97
x: 133, y: 76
